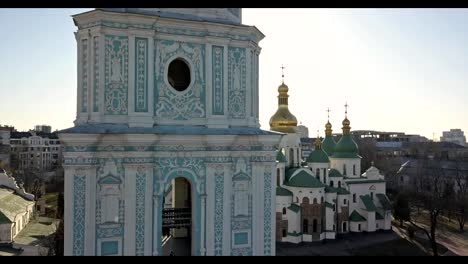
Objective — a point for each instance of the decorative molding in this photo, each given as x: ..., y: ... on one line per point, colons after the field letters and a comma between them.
x: 237, y: 73
x: 79, y: 213
x: 84, y: 75
x: 116, y: 75
x: 218, y: 80
x: 218, y: 214
x: 141, y: 75
x: 96, y: 74
x: 169, y: 103
x: 267, y: 210
x: 140, y: 213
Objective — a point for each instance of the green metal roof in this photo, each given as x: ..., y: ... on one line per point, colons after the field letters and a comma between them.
x: 4, y: 219
x: 329, y: 189
x: 294, y: 234
x: 334, y: 173
x: 383, y: 199
x: 280, y: 156
x: 364, y: 181
x: 356, y: 217
x: 342, y: 190
x: 280, y: 191
x: 304, y: 178
x: 378, y: 216
x: 289, y: 173
x: 368, y: 203
x: 318, y: 156
x: 295, y: 208
x: 345, y: 145
x: 329, y: 205
x: 328, y: 145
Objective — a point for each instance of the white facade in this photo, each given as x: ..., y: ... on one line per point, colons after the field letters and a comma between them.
x: 454, y: 136
x: 136, y: 132
x: 40, y: 151
x: 338, y: 195
x: 16, y: 208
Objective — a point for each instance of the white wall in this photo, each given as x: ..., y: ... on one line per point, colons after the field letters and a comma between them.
x: 6, y: 233
x: 311, y: 193
x: 337, y: 164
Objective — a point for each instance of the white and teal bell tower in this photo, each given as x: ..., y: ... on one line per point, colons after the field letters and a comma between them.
x: 167, y: 142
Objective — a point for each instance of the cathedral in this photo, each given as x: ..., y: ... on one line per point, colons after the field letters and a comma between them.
x: 325, y: 195
x: 166, y: 155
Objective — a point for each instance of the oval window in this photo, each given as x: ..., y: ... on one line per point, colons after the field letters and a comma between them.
x: 179, y: 75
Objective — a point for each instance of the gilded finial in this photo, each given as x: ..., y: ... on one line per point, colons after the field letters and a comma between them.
x: 282, y: 72
x: 328, y: 113
x: 346, y: 109
x: 318, y: 143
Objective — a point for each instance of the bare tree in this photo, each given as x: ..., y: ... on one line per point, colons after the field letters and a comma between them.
x: 433, y: 198
x: 461, y: 196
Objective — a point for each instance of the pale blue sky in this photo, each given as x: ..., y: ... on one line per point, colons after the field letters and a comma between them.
x: 399, y: 69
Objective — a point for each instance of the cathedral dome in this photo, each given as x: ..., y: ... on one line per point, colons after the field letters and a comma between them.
x: 318, y: 156
x: 283, y: 120
x: 346, y: 148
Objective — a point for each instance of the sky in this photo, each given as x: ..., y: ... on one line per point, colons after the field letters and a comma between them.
x: 401, y: 70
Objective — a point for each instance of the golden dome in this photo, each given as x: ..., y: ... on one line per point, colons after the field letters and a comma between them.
x: 283, y: 88
x: 328, y: 125
x: 283, y: 121
x: 346, y: 122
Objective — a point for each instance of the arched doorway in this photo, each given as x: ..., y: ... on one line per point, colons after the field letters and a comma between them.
x: 177, y: 222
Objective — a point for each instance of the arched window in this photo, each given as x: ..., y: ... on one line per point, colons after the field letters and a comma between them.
x: 344, y: 201
x: 344, y: 169
x: 305, y: 226
x: 331, y: 183
x: 305, y: 200
x: 315, y: 200
x: 321, y: 199
x: 278, y: 176
x: 291, y: 157
x: 324, y: 173
x: 314, y: 226
x: 333, y: 227
x: 297, y: 199
x: 359, y: 227
x: 344, y: 226
x: 339, y: 184
x: 354, y: 197
x: 354, y: 169
x: 284, y: 210
x: 372, y: 195
x: 298, y: 158
x: 317, y: 173
x: 334, y: 207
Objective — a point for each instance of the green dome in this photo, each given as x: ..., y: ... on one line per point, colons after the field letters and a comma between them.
x: 346, y: 148
x: 318, y: 156
x: 304, y: 179
x: 280, y: 156
x: 328, y: 145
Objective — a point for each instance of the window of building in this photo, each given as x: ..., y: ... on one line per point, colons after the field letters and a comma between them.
x: 331, y: 183
x: 372, y: 195
x: 317, y: 173
x: 321, y: 199
x: 315, y: 200
x: 354, y: 197
x: 314, y: 226
x: 278, y: 175
x: 179, y: 75
x: 291, y: 157
x: 344, y: 169
x: 305, y: 226
x: 339, y: 184
x: 333, y: 227
x: 284, y: 210
x: 354, y: 169
x: 297, y: 199
x: 359, y: 227
x: 298, y: 157
x: 344, y: 201
x: 324, y: 174
x: 284, y: 232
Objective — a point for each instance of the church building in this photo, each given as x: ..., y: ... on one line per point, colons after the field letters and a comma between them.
x: 325, y: 195
x: 166, y: 150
